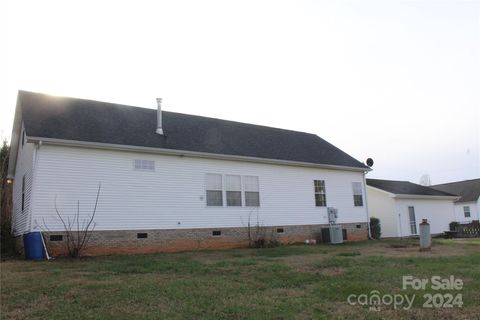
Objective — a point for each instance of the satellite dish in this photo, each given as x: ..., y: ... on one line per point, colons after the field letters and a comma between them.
x: 369, y: 162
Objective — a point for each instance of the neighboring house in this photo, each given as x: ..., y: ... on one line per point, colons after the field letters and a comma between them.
x: 467, y: 208
x: 401, y: 206
x: 172, y: 181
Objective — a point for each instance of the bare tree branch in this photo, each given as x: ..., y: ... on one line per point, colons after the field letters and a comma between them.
x: 76, y: 242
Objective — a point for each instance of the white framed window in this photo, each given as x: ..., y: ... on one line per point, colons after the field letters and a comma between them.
x: 214, y: 191
x: 233, y: 187
x: 252, y: 191
x: 320, y: 193
x: 144, y: 165
x: 357, y: 194
x: 466, y: 211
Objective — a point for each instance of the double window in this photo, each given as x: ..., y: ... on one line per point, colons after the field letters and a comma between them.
x: 230, y: 186
x: 320, y: 194
x: 466, y: 211
x: 357, y: 194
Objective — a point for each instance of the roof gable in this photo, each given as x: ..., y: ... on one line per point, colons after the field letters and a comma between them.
x: 100, y: 122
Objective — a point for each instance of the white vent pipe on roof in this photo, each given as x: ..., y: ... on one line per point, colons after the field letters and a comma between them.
x: 159, y: 116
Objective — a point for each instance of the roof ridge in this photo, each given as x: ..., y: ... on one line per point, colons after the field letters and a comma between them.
x: 154, y: 109
x: 390, y: 180
x: 442, y: 184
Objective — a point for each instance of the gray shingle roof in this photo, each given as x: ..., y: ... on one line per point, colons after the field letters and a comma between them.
x: 469, y: 190
x: 93, y: 121
x: 405, y: 188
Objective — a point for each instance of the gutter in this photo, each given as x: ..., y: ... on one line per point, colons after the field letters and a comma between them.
x: 193, y: 154
x: 366, y: 203
x: 415, y: 196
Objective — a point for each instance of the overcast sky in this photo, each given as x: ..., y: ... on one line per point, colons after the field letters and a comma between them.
x: 398, y: 81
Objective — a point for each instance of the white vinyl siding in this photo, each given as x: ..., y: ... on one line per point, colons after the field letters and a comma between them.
x: 357, y: 194
x: 214, y: 190
x: 173, y: 196
x: 382, y: 206
x: 460, y: 211
x: 22, y: 188
x: 438, y: 212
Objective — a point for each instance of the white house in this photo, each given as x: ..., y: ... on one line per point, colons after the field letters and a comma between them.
x: 401, y: 206
x: 172, y: 181
x: 467, y: 208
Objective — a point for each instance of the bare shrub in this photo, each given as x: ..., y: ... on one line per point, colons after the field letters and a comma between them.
x: 77, y: 232
x: 260, y: 236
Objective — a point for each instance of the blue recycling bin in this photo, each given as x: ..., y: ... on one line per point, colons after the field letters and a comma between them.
x: 33, y: 245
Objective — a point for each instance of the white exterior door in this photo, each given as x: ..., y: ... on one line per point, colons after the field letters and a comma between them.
x: 413, y: 221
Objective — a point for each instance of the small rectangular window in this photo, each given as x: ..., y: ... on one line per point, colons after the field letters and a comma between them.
x: 252, y: 194
x: 23, y: 193
x: 280, y: 230
x: 320, y: 194
x: 357, y: 194
x: 145, y: 165
x: 233, y: 187
x: 142, y: 235
x: 466, y: 211
x: 56, y: 237
x: 214, y: 190
x: 216, y: 233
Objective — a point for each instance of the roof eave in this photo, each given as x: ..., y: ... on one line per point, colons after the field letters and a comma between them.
x: 195, y: 154
x: 15, y: 139
x: 431, y: 197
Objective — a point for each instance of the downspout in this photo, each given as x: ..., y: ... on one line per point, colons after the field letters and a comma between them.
x: 32, y: 187
x: 400, y: 225
x: 366, y: 204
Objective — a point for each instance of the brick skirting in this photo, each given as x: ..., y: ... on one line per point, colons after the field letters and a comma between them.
x: 173, y: 240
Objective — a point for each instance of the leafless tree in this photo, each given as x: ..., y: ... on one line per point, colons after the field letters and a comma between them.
x: 6, y: 238
x: 77, y: 232
x: 425, y: 180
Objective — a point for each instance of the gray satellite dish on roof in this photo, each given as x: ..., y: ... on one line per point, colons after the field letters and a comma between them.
x: 369, y: 162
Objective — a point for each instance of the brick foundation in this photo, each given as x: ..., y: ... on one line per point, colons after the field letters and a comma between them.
x: 173, y: 240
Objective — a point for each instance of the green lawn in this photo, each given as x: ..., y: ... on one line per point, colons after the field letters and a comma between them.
x: 288, y: 282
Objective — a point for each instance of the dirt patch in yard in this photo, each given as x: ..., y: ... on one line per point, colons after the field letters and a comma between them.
x: 410, y: 248
x: 332, y: 272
